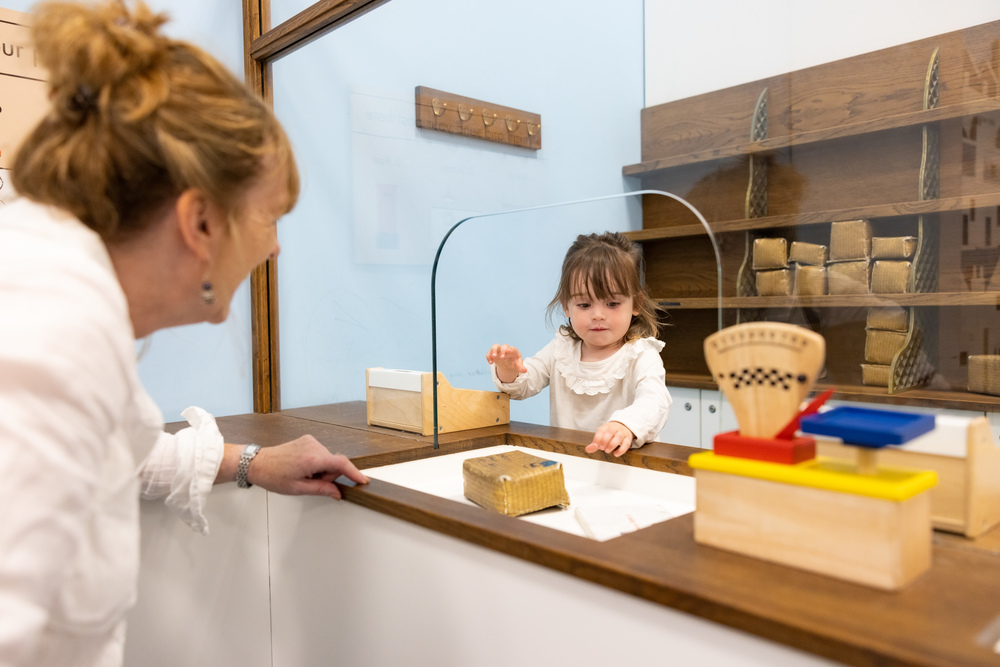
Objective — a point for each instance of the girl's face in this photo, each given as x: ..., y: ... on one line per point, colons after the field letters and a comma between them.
x: 601, y: 325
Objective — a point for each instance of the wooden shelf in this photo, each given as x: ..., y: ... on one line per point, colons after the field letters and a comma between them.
x: 804, y: 138
x: 931, y: 398
x: 834, y: 301
x: 880, y: 211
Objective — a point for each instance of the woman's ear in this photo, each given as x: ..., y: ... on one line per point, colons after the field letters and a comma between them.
x: 193, y: 214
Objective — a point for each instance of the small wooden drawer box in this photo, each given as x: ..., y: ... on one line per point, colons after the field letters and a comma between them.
x: 960, y: 450
x: 404, y: 400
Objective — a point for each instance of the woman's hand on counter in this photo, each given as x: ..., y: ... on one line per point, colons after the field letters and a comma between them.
x: 301, y: 467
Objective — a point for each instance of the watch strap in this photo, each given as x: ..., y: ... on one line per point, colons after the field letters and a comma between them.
x: 246, y: 457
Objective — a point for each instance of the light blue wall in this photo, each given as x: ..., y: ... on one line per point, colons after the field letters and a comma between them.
x: 199, y: 365
x: 379, y: 194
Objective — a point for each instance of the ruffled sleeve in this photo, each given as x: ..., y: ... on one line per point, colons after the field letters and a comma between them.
x: 537, y: 378
x: 183, y: 467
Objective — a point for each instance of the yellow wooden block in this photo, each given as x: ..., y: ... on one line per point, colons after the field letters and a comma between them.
x: 404, y: 400
x: 824, y: 473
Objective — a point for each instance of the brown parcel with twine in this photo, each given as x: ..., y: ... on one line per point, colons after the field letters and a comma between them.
x: 514, y: 483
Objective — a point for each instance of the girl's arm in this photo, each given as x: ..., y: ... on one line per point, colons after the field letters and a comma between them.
x: 648, y: 413
x: 533, y: 374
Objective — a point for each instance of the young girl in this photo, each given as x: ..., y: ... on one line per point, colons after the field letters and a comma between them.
x: 603, y: 368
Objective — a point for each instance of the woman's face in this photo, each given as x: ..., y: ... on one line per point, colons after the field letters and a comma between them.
x: 251, y: 239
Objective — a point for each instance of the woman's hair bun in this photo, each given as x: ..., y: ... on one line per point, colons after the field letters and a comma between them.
x: 87, y: 49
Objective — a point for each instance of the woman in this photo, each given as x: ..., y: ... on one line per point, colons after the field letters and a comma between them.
x: 148, y: 193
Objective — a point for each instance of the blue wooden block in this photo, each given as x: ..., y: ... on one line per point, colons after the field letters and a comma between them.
x: 866, y: 427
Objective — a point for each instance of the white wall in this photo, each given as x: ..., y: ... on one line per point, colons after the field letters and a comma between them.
x: 698, y: 47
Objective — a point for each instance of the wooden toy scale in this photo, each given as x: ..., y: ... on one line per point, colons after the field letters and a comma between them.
x: 764, y: 493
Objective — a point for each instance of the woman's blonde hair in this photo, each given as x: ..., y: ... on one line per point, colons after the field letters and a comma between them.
x: 137, y: 118
x: 607, y: 264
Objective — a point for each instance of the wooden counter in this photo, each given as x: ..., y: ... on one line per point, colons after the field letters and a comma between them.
x: 950, y: 616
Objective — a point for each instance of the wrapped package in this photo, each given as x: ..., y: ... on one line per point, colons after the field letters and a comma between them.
x: 891, y: 277
x: 812, y: 254
x: 893, y: 247
x: 850, y: 241
x: 875, y: 375
x: 514, y: 483
x: 770, y: 254
x: 888, y: 318
x: 774, y: 283
x: 882, y: 346
x: 848, y: 277
x: 810, y: 280
x: 984, y: 374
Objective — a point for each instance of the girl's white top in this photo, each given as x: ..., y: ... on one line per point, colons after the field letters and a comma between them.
x: 74, y: 422
x: 627, y: 387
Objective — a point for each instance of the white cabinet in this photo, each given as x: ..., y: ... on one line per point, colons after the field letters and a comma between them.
x: 696, y: 416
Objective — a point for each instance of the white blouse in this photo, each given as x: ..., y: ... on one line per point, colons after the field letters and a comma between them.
x: 627, y: 387
x: 74, y: 420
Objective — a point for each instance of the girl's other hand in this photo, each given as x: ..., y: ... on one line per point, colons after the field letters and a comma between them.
x: 508, y: 361
x: 612, y: 438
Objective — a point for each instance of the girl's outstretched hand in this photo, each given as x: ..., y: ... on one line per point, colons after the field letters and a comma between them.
x: 612, y: 438
x: 508, y: 362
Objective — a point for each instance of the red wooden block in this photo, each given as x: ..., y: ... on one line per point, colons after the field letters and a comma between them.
x: 774, y: 450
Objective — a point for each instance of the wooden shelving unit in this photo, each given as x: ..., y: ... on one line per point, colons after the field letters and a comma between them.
x: 907, y: 138
x: 768, y: 146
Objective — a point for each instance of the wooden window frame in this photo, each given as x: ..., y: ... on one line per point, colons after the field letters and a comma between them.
x: 261, y: 47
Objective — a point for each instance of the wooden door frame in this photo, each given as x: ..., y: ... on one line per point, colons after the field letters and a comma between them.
x: 261, y: 47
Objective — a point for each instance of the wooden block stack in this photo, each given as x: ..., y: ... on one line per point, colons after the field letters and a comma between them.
x: 849, y: 271
x: 892, y: 266
x: 809, y: 260
x: 770, y: 264
x: 885, y: 334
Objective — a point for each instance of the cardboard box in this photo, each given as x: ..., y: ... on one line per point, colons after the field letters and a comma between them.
x: 882, y: 346
x: 850, y: 241
x: 966, y: 499
x: 812, y: 254
x: 888, y: 318
x: 891, y: 277
x: 848, y: 277
x: 893, y: 247
x: 774, y: 283
x: 514, y: 483
x: 875, y: 375
x: 984, y: 374
x: 770, y: 254
x: 810, y: 280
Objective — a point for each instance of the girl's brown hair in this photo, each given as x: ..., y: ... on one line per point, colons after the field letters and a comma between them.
x: 607, y: 264
x: 136, y: 118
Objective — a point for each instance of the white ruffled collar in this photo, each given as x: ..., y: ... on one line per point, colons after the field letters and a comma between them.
x: 597, y: 377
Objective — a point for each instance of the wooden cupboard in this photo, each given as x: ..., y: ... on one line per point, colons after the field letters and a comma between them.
x: 907, y: 138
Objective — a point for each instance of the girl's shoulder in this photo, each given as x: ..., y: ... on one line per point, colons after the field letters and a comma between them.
x: 634, y: 348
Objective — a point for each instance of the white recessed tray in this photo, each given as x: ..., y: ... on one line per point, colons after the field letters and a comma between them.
x: 606, y: 499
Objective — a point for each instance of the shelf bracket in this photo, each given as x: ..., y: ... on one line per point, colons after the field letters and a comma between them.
x: 911, y: 366
x: 755, y: 205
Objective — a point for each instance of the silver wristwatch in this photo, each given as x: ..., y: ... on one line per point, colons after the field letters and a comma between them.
x: 246, y: 457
